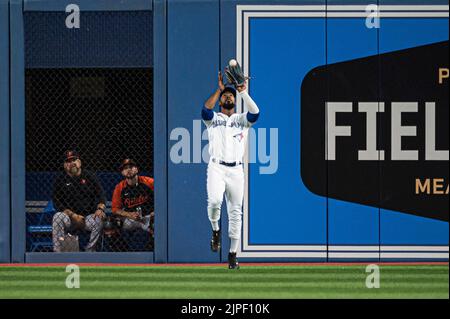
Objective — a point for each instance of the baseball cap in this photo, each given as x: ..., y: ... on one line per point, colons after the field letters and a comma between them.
x: 228, y: 89
x: 127, y: 161
x: 70, y: 154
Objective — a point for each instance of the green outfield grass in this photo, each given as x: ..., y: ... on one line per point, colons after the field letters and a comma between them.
x: 252, y: 282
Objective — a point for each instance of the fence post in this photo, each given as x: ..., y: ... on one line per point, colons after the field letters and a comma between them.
x: 5, y: 244
x: 17, y: 132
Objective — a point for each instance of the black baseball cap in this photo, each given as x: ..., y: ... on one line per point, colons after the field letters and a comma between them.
x: 228, y: 89
x: 127, y: 161
x: 70, y: 155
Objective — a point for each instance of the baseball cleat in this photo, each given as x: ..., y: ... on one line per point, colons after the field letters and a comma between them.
x: 215, y: 241
x: 232, y: 261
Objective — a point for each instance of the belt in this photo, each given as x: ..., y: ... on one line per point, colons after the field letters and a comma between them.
x: 232, y: 164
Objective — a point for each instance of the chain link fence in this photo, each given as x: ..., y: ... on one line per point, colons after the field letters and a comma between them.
x: 103, y: 113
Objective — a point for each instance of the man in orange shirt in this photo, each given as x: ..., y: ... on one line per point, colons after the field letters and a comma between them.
x: 133, y: 198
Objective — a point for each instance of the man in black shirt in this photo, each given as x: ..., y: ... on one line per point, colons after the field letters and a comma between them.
x: 79, y: 200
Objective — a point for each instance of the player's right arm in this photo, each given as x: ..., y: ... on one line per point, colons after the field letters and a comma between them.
x: 211, y: 101
x: 207, y: 116
x: 207, y: 110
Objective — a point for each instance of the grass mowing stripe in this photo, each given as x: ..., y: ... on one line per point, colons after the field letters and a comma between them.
x: 126, y: 282
x: 238, y: 274
x: 212, y: 280
x: 161, y: 284
x: 251, y: 294
x: 104, y: 290
x: 222, y: 274
x: 206, y: 269
x: 277, y: 270
x: 268, y: 289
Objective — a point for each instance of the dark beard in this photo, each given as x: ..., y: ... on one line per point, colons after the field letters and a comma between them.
x: 132, y: 177
x: 228, y: 106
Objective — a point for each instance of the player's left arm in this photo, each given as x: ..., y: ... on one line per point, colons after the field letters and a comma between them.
x: 253, y: 110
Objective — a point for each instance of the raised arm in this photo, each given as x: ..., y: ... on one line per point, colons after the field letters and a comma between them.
x: 211, y: 101
x: 253, y: 110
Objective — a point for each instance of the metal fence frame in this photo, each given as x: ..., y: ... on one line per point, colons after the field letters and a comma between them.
x: 5, y: 243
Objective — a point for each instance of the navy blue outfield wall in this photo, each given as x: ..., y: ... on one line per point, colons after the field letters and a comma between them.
x: 193, y: 61
x: 301, y: 204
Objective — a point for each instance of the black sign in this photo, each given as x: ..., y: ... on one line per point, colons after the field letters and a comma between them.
x: 375, y: 131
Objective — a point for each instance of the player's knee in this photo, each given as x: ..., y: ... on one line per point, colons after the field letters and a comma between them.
x: 214, y: 203
x: 60, y: 218
x: 234, y: 231
x: 235, y: 212
x: 99, y: 222
x: 127, y: 224
x: 235, y: 220
x: 94, y: 223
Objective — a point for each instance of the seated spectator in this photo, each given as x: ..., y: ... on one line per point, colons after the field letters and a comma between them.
x: 133, y: 199
x: 79, y: 200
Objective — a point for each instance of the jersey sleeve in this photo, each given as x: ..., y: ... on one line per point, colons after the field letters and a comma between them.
x: 251, y: 116
x: 208, y: 116
x: 248, y: 119
x: 149, y: 182
x: 116, y: 198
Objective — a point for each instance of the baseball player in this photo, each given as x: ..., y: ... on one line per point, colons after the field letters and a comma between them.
x: 227, y: 133
x: 133, y: 199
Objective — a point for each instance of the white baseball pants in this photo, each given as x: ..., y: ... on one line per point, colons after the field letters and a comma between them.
x: 229, y: 180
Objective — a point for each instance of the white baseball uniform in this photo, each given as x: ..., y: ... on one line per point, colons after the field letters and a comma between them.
x: 227, y: 139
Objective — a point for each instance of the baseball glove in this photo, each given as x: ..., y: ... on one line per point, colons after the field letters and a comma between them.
x: 234, y: 74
